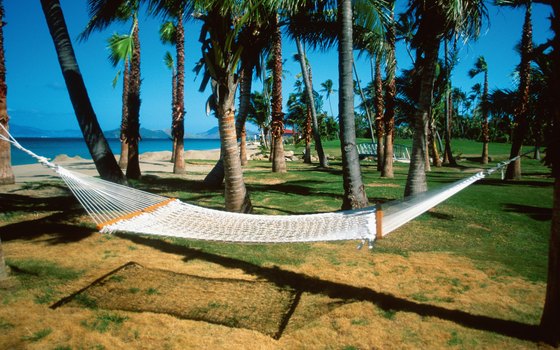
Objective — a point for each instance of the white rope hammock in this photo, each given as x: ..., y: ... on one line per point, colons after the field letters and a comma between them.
x: 115, y: 207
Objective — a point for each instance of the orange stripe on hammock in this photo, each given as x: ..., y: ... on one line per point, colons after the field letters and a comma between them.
x: 149, y: 209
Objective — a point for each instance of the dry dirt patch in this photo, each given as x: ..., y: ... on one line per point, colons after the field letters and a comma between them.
x: 255, y: 305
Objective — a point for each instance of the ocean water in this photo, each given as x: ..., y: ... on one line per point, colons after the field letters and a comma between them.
x: 51, y: 147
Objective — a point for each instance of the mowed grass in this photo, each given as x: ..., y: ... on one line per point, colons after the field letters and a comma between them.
x: 449, y: 279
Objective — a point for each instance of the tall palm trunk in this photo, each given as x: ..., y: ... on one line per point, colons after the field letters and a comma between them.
x: 323, y: 162
x: 390, y: 93
x: 133, y: 130
x: 236, y: 195
x: 173, y: 99
x: 308, y: 131
x: 379, y: 109
x: 243, y: 146
x: 485, y: 131
x: 448, y: 154
x: 354, y: 191
x: 6, y: 173
x: 416, y: 180
x: 99, y: 149
x: 550, y: 321
x: 278, y: 159
x: 179, y: 110
x: 246, y: 83
x: 215, y: 177
x: 513, y: 171
x: 123, y: 159
x: 433, y: 143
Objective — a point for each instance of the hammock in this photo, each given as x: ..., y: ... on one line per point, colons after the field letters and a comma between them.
x: 115, y: 207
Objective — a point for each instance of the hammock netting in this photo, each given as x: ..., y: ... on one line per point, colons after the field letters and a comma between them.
x: 115, y: 207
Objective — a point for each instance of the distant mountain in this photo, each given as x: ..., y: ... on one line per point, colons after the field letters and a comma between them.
x: 214, y: 134
x: 211, y: 134
x: 147, y: 134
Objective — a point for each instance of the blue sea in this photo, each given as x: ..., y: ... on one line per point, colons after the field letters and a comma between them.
x: 51, y: 147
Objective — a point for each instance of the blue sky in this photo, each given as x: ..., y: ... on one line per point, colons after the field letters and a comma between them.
x: 37, y: 94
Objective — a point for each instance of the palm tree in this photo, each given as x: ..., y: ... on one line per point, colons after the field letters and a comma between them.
x: 480, y: 66
x: 550, y: 321
x: 436, y: 21
x: 328, y: 90
x: 306, y: 74
x: 448, y: 95
x: 174, y: 33
x: 390, y: 95
x: 379, y: 111
x: 354, y: 191
x: 277, y: 126
x: 170, y: 64
x: 103, y: 13
x: 6, y: 173
x: 255, y: 39
x: 97, y: 144
x: 221, y: 50
x: 522, y: 112
x: 120, y: 50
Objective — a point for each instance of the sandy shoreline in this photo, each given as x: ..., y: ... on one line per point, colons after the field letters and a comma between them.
x: 153, y: 163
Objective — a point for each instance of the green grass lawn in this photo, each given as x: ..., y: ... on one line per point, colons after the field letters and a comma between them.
x: 499, y: 224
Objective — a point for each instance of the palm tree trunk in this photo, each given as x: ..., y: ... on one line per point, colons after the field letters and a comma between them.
x: 99, y: 149
x: 307, y: 134
x: 416, y: 180
x: 391, y: 90
x: 433, y: 145
x: 379, y: 109
x: 6, y: 172
x: 236, y: 195
x: 216, y: 176
x: 179, y: 110
x: 448, y: 154
x: 133, y: 130
x: 278, y: 159
x: 246, y: 83
x: 485, y: 131
x: 550, y: 321
x: 513, y: 171
x: 243, y: 147
x: 173, y: 102
x: 354, y: 191
x: 123, y: 159
x: 323, y: 162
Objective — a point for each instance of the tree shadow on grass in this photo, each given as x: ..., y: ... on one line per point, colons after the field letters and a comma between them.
x: 304, y: 283
x: 499, y: 182
x: 58, y: 214
x: 535, y: 213
x: 30, y: 204
x: 53, y: 225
